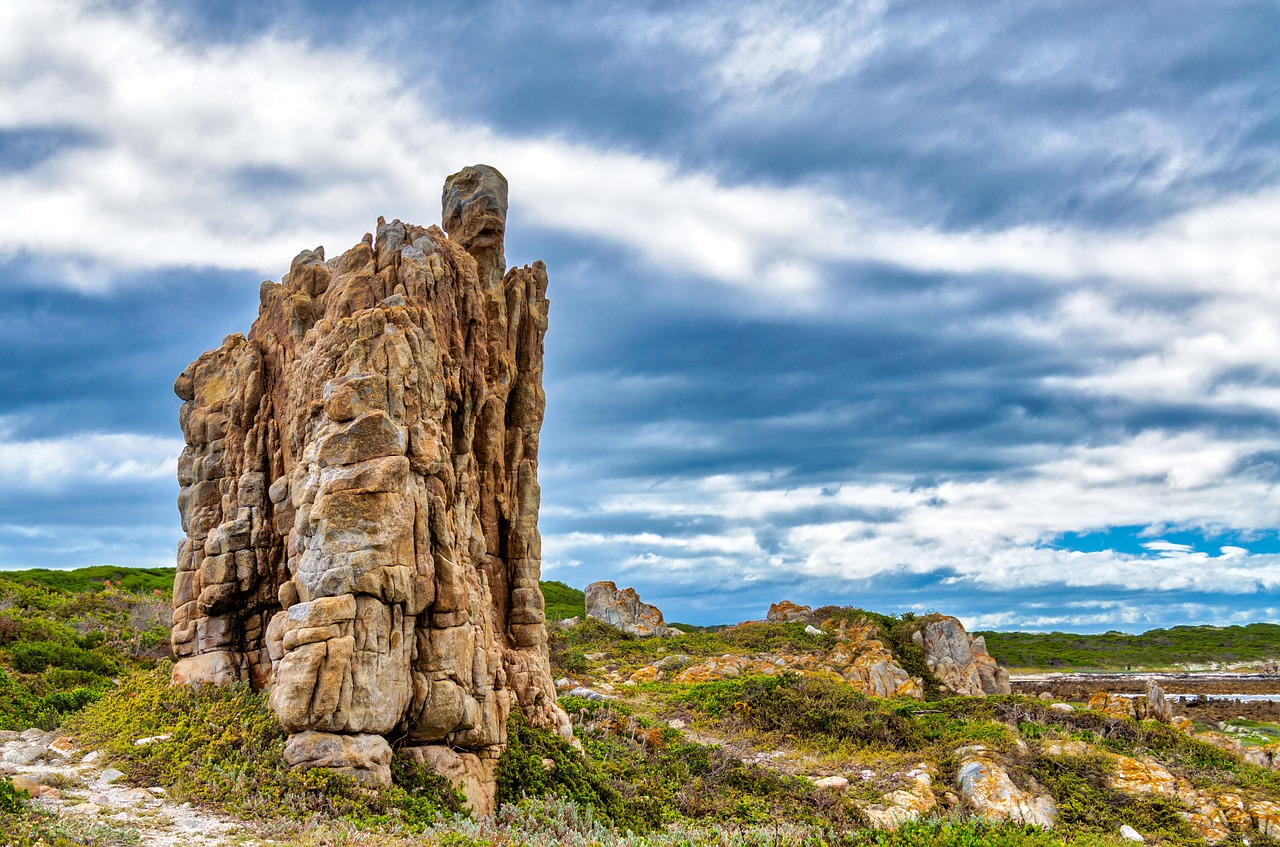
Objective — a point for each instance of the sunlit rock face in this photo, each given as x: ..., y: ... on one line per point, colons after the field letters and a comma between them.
x: 360, y: 495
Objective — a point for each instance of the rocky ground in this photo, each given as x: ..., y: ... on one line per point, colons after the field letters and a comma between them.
x: 92, y: 799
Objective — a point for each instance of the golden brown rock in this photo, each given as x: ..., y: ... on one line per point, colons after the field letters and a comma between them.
x: 360, y: 496
x: 787, y: 612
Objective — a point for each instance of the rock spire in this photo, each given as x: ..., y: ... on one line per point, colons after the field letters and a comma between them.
x: 360, y: 496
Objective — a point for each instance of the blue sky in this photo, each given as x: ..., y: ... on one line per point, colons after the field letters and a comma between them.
x: 971, y: 307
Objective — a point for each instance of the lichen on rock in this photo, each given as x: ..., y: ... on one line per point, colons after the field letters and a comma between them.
x: 360, y: 496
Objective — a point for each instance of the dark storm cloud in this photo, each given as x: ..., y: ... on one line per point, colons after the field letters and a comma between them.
x: 107, y: 361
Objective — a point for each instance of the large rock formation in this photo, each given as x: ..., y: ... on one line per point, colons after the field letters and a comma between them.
x: 622, y: 609
x: 360, y: 496
x: 960, y: 661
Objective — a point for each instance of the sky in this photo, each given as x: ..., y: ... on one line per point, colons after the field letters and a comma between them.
x: 969, y: 307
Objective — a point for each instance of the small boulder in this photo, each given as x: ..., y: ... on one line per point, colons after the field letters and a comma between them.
x: 110, y: 775
x: 22, y: 783
x: 1128, y: 833
x: 987, y: 788
x: 833, y: 783
x: 1113, y: 705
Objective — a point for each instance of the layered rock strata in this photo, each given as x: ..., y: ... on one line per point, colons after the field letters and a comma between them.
x: 360, y: 496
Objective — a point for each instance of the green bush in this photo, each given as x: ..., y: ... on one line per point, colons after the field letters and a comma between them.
x: 563, y: 601
x: 11, y: 799
x: 35, y: 656
x: 1087, y: 805
x: 522, y: 772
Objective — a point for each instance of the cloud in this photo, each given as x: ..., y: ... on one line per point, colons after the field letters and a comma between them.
x: 44, y: 464
x: 238, y: 155
x: 995, y: 532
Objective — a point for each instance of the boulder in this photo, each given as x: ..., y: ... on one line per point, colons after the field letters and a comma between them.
x: 622, y: 609
x: 1114, y: 705
x: 787, y: 612
x: 985, y: 785
x: 359, y: 495
x: 960, y: 661
x: 906, y: 804
x: 1155, y: 706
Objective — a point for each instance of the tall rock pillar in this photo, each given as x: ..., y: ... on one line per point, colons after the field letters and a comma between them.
x: 360, y: 496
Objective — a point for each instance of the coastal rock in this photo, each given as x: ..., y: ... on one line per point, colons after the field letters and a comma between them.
x: 906, y: 804
x: 1114, y: 705
x: 858, y: 658
x: 985, y: 785
x: 622, y: 609
x: 360, y: 499
x: 1155, y: 706
x: 865, y: 663
x: 960, y: 661
x: 787, y: 612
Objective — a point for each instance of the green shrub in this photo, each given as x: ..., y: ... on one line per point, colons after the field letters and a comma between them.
x: 1087, y: 805
x: 563, y: 601
x: 35, y: 656
x: 522, y: 772
x: 11, y: 799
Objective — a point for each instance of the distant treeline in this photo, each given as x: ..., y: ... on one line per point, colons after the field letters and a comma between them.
x: 1157, y: 648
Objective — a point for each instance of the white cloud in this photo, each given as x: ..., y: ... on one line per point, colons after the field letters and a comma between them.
x: 764, y: 44
x: 186, y: 136
x: 995, y: 532
x: 57, y: 463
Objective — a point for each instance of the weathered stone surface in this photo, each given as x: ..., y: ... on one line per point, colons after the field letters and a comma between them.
x: 470, y: 771
x: 960, y: 661
x: 360, y: 497
x: 622, y: 609
x: 858, y: 658
x: 905, y: 804
x: 1155, y: 707
x: 986, y: 787
x: 786, y: 612
x: 1114, y: 705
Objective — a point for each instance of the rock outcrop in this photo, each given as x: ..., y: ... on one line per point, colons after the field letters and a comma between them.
x: 1152, y: 706
x: 360, y: 496
x: 787, y: 612
x: 858, y: 658
x: 622, y: 609
x: 960, y: 661
x: 987, y: 788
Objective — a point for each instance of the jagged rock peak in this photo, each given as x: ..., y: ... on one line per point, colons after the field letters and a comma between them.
x: 360, y: 497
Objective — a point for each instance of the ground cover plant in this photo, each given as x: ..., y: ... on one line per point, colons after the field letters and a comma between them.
x: 1179, y: 646
x: 66, y: 636
x: 563, y: 601
x: 724, y: 762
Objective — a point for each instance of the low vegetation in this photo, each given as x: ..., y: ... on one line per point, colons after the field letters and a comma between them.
x: 65, y: 636
x: 724, y: 762
x: 1180, y: 646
